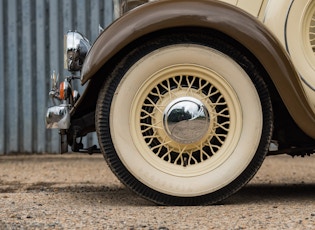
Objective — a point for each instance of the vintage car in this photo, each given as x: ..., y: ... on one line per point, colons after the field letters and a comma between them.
x: 187, y: 97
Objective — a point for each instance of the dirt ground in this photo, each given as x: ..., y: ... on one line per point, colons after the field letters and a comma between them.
x: 76, y: 191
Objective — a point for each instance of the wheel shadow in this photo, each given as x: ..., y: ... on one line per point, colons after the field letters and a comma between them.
x: 250, y: 194
x: 106, y: 195
x: 119, y: 195
x: 273, y: 193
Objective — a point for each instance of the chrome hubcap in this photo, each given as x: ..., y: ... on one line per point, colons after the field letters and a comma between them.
x: 186, y: 120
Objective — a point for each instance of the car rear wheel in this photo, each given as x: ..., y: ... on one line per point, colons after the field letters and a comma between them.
x: 184, y: 119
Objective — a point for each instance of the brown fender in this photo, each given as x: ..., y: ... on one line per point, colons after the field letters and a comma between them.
x: 216, y: 15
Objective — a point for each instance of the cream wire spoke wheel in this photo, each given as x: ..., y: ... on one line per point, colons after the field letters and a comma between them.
x: 185, y: 119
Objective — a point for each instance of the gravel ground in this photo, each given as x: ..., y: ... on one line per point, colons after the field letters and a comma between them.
x: 79, y: 192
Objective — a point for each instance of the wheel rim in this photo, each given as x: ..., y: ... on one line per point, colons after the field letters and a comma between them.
x: 196, y: 151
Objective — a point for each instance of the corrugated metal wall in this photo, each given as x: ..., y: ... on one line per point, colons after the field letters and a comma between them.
x: 31, y: 46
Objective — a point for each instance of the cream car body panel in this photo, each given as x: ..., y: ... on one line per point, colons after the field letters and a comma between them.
x: 291, y: 22
x: 250, y: 6
x: 296, y: 19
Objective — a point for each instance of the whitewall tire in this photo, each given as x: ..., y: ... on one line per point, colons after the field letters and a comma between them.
x: 182, y: 122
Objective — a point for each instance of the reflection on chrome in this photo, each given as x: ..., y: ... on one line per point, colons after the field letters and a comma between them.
x: 186, y: 120
x: 76, y: 48
x: 58, y: 117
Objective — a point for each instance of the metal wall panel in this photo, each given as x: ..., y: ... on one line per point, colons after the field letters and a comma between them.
x: 31, y: 46
x: 2, y: 86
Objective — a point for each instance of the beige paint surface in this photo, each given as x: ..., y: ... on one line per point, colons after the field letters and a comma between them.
x: 252, y: 7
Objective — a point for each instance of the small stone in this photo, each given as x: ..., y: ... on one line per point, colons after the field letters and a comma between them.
x: 163, y: 228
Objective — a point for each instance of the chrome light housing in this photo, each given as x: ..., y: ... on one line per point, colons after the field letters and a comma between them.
x: 76, y: 48
x: 58, y: 117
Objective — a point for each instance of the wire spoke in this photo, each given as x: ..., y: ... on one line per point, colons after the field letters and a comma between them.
x: 152, y: 126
